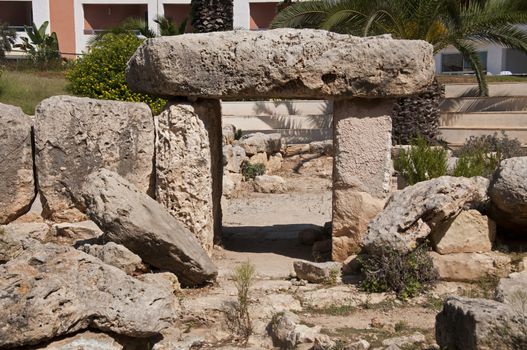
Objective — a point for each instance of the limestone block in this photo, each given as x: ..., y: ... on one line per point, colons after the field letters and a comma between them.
x: 283, y: 63
x: 317, y: 272
x: 469, y: 232
x: 470, y: 267
x: 234, y: 155
x: 16, y: 238
x: 184, y: 170
x: 274, y: 163
x: 116, y: 255
x: 17, y: 184
x: 75, y: 136
x: 353, y: 211
x: 260, y: 142
x: 511, y: 288
x: 73, y: 232
x: 269, y: 184
x: 259, y: 158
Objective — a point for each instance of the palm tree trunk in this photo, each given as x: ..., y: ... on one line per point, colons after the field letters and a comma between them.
x: 418, y: 115
x: 211, y: 15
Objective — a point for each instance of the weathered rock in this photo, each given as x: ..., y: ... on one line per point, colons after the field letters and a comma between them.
x: 166, y: 280
x: 274, y: 163
x: 259, y: 158
x: 405, y: 341
x: 231, y: 183
x: 75, y: 136
x: 260, y: 142
x: 317, y: 272
x: 287, y: 332
x: 471, y: 266
x: 269, y: 184
x: 73, y: 232
x: 15, y: 238
x: 275, y: 63
x: 412, y: 213
x: 358, y: 345
x: 142, y: 225
x: 17, y: 184
x: 234, y: 155
x: 510, y: 288
x: 508, y: 194
x: 228, y: 132
x: 478, y: 324
x: 322, y: 147
x: 86, y: 341
x: 183, y: 170
x: 116, y: 255
x: 292, y: 150
x: 354, y: 211
x: 29, y: 217
x: 56, y: 290
x: 469, y: 232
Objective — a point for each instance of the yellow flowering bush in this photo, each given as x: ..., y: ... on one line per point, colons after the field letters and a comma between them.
x: 101, y: 72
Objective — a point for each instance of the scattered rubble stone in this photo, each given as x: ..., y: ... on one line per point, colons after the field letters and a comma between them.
x: 317, y: 272
x: 269, y: 184
x: 116, y: 255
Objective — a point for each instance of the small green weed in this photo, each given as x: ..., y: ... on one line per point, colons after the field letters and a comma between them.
x: 250, y: 171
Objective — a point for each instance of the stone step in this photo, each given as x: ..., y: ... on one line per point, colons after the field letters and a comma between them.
x: 483, y: 120
x: 456, y: 136
x: 484, y: 104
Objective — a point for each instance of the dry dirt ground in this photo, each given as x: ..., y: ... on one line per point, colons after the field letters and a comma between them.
x: 262, y: 229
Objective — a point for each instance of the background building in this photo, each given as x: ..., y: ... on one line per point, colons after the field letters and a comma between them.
x: 75, y: 21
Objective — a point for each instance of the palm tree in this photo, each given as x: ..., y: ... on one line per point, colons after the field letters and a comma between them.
x: 443, y: 23
x: 211, y: 15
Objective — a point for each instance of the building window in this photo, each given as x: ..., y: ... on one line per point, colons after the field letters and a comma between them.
x: 16, y: 14
x: 454, y: 62
x: 515, y: 61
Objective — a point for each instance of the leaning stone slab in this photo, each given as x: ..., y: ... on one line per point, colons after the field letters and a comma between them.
x: 138, y: 222
x: 284, y: 63
x: 75, y: 136
x: 116, y: 255
x: 478, y: 324
x: 55, y: 290
x: 508, y: 194
x: 17, y: 184
x: 411, y: 214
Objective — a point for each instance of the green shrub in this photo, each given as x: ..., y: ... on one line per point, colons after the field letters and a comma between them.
x: 480, y: 156
x: 250, y: 170
x: 406, y: 275
x: 7, y: 39
x: 43, y: 48
x: 238, y: 317
x: 421, y: 161
x: 101, y: 72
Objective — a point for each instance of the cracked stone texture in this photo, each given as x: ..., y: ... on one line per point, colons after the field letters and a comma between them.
x: 54, y: 290
x: 17, y: 183
x: 283, y: 63
x: 75, y: 136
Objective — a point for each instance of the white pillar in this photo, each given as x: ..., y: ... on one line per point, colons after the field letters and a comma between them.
x: 40, y: 10
x: 242, y: 17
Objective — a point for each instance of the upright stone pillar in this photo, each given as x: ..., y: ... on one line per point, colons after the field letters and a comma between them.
x: 187, y: 183
x: 362, y: 169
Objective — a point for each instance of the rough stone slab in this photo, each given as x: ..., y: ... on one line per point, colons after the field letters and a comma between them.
x: 260, y: 142
x: 317, y: 272
x: 234, y: 156
x: 363, y: 142
x: 138, y: 222
x: 471, y: 267
x: 469, y: 232
x: 85, y: 341
x: 477, y: 324
x: 74, y: 232
x: 184, y: 170
x: 411, y: 214
x: 511, y: 288
x: 15, y: 238
x: 75, y: 136
x: 269, y: 184
x: 116, y: 255
x: 508, y: 194
x: 56, y: 290
x: 17, y: 184
x: 352, y: 213
x: 283, y: 63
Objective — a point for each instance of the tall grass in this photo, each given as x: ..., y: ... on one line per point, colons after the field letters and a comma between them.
x: 27, y: 88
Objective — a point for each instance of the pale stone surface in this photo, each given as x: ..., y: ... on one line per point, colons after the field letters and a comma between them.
x: 274, y: 163
x: 15, y: 238
x: 411, y: 214
x: 184, y: 170
x: 17, y: 184
x: 54, y: 290
x: 166, y: 280
x: 510, y: 288
x: 85, y: 341
x: 317, y: 272
x: 508, y: 194
x: 259, y: 158
x: 352, y: 213
x: 275, y: 63
x: 231, y: 184
x: 469, y: 232
x: 234, y: 155
x: 287, y: 332
x: 471, y: 266
x: 138, y: 222
x: 476, y: 324
x: 269, y: 184
x: 359, y: 345
x: 363, y: 141
x: 75, y: 136
x: 260, y: 142
x: 116, y: 255
x: 73, y: 232
x: 228, y: 132
x: 322, y: 147
x: 405, y: 341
